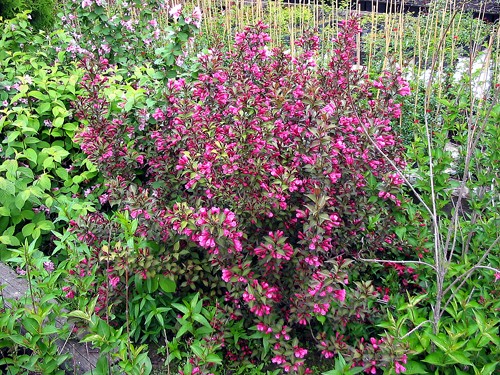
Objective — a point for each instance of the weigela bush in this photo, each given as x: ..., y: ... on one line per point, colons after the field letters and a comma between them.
x: 264, y: 174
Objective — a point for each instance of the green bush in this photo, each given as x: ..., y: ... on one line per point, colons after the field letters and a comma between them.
x: 42, y: 11
x: 39, y: 161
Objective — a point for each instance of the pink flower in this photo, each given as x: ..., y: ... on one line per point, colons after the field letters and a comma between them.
x: 399, y: 368
x: 86, y: 3
x: 329, y: 109
x: 226, y: 275
x: 497, y: 276
x: 247, y: 297
x: 196, y: 16
x: 263, y: 328
x: 321, y: 308
x: 69, y: 292
x: 340, y: 294
x: 104, y: 198
x: 113, y: 281
x: 176, y: 11
x: 327, y: 354
x: 279, y: 359
x: 196, y: 13
x: 299, y: 352
x: 378, y: 85
x: 49, y: 266
x: 396, y: 179
x: 404, y: 88
x: 159, y: 115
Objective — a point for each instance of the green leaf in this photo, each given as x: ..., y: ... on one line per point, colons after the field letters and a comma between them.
x: 48, y: 163
x: 70, y: 126
x: 28, y: 229
x: 213, y: 358
x: 49, y: 201
x: 58, y: 122
x: 21, y: 199
x: 459, y: 357
x: 80, y: 315
x: 355, y: 370
x: 400, y: 231
x: 4, y: 211
x: 31, y: 155
x: 413, y: 367
x: 198, y: 351
x: 36, y: 233
x: 489, y: 368
x: 167, y: 285
x: 102, y: 366
x: 45, y: 225
x: 31, y: 325
x: 185, y: 327
x: 25, y: 172
x: 160, y: 320
x: 38, y: 95
x: 440, y: 342
x: 93, y: 338
x: 44, y: 182
x: 321, y: 319
x: 9, y: 240
x: 203, y: 331
x: 49, y: 330
x: 7, y: 186
x: 436, y: 358
x: 12, y: 136
x: 18, y: 339
x: 59, y: 111
x: 481, y: 322
x: 183, y: 37
x: 202, y: 320
x: 11, y: 166
x: 44, y: 107
x: 181, y: 308
x: 195, y: 305
x: 62, y: 173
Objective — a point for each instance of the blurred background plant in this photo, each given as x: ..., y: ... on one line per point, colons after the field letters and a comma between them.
x: 42, y: 12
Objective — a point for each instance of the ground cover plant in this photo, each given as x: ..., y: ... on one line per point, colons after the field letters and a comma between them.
x: 249, y: 209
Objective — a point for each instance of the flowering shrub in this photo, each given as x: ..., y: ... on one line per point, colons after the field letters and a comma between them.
x: 266, y: 176
x: 128, y: 33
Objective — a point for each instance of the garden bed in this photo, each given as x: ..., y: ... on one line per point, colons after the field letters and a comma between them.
x: 195, y: 195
